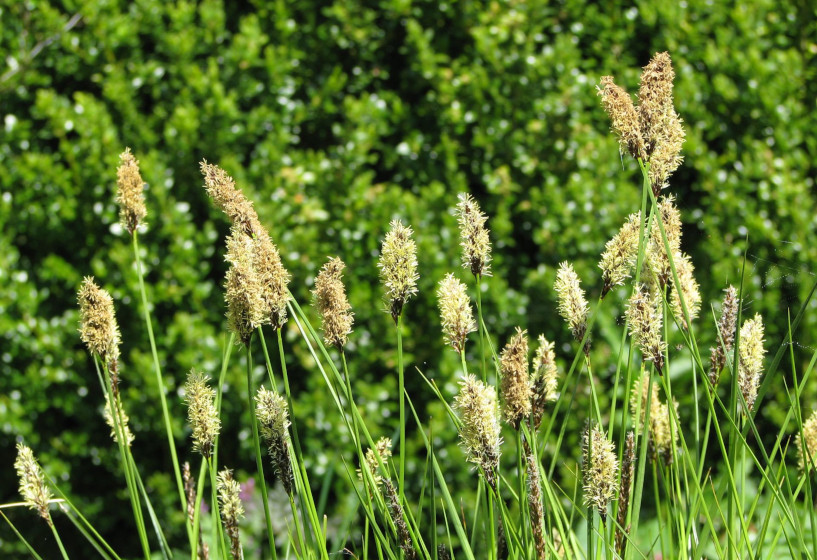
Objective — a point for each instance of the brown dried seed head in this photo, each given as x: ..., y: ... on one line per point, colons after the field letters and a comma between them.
x: 516, y: 386
x: 600, y: 470
x: 398, y: 267
x: 130, y: 195
x: 98, y: 328
x: 544, y: 380
x: 750, y: 367
x: 480, y: 431
x: 572, y: 303
x: 620, y: 254
x: 808, y: 443
x: 627, y: 472
x: 537, y: 513
x: 623, y: 116
x: 456, y: 315
x: 201, y: 412
x: 397, y: 516
x: 474, y: 236
x: 330, y: 299
x: 32, y: 482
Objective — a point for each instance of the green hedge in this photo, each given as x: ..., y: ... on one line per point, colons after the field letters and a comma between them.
x: 335, y: 117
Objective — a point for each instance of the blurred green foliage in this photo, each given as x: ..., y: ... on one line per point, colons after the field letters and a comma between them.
x: 335, y: 117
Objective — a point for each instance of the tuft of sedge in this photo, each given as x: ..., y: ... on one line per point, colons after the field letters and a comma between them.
x: 600, y: 470
x: 456, y: 315
x: 273, y: 418
x: 620, y: 254
x: 572, y: 303
x: 625, y: 489
x: 726, y: 335
x: 515, y: 379
x: 383, y: 450
x: 751, y: 354
x: 229, y: 498
x: 122, y: 421
x: 130, y: 192
x: 806, y: 444
x: 623, y: 115
x: 98, y: 327
x: 398, y: 267
x: 330, y: 299
x: 644, y: 319
x: 480, y: 430
x: 474, y: 236
x: 33, y: 489
x: 201, y: 412
x: 544, y: 379
x: 246, y: 308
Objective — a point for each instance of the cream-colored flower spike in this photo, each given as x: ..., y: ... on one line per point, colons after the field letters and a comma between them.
x: 474, y: 236
x: 32, y: 482
x: 130, y: 192
x: 750, y: 366
x: 330, y: 299
x: 572, y: 303
x: 600, y: 468
x: 480, y: 431
x: 456, y: 315
x: 398, y: 267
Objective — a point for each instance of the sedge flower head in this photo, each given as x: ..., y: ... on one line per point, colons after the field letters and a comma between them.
x: 33, y: 489
x: 202, y: 413
x: 456, y: 314
x: 130, y: 192
x: 474, y: 236
x: 600, y: 467
x: 330, y: 299
x: 398, y: 267
x: 480, y: 431
x: 750, y: 365
x: 273, y: 419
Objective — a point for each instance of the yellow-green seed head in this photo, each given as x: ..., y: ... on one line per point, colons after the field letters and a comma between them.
x: 666, y: 157
x: 122, y: 423
x: 272, y: 277
x: 330, y: 299
x: 398, y: 267
x: 229, y: 498
x: 807, y: 440
x: 130, y: 195
x: 516, y: 384
x: 383, y: 447
x: 750, y: 366
x: 688, y: 288
x: 273, y: 419
x: 480, y: 431
x: 619, y: 106
x: 98, y: 328
x: 619, y: 257
x: 572, y: 303
x: 474, y: 236
x: 600, y: 466
x: 545, y: 379
x: 663, y: 436
x: 657, y: 258
x: 33, y: 489
x: 644, y: 318
x: 230, y: 200
x: 201, y: 412
x: 246, y: 307
x: 456, y: 314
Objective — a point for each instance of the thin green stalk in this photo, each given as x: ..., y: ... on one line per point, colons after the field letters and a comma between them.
x: 20, y: 536
x: 194, y: 552
x: 59, y: 540
x: 402, y: 398
x: 160, y: 381
x: 481, y: 328
x: 257, y: 445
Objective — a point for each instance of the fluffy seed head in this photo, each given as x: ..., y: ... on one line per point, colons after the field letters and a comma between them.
x: 273, y: 418
x: 383, y: 446
x: 644, y: 318
x: 620, y: 254
x: 398, y: 267
x: 655, y: 97
x: 122, y: 421
x: 32, y: 482
x: 229, y: 498
x: 98, y: 328
x: 474, y: 238
x: 808, y: 441
x: 545, y: 379
x: 663, y: 437
x: 726, y: 331
x: 456, y: 314
x: 600, y: 470
x: 221, y: 188
x: 201, y: 412
x: 246, y: 308
x: 572, y: 303
x: 480, y: 431
x: 272, y: 277
x: 623, y: 116
x: 130, y: 195
x: 516, y: 386
x: 330, y: 298
x: 687, y: 286
x: 666, y: 157
x: 750, y: 366
x: 656, y: 249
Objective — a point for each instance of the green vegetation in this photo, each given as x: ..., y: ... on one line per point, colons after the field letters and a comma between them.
x: 335, y: 119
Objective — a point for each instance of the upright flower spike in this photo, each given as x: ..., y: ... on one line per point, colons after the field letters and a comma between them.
x: 627, y: 472
x: 657, y: 256
x: 807, y: 442
x: 33, y: 489
x: 122, y: 421
x: 474, y: 238
x: 644, y: 318
x: 663, y: 438
x: 202, y: 413
x: 98, y: 327
x: 619, y: 106
x: 230, y: 200
x: 726, y: 335
x: 572, y: 303
x: 330, y: 299
x: 537, y: 513
x: 620, y: 254
x: 480, y: 431
x: 600, y: 467
x: 190, y: 495
x: 383, y: 447
x: 397, y: 516
x: 246, y: 308
x: 456, y: 314
x: 750, y: 366
x: 272, y: 276
x: 273, y: 419
x: 544, y: 380
x: 515, y: 379
x: 130, y: 195
x: 398, y: 267
x: 688, y: 287
x: 229, y: 498
x: 655, y: 97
